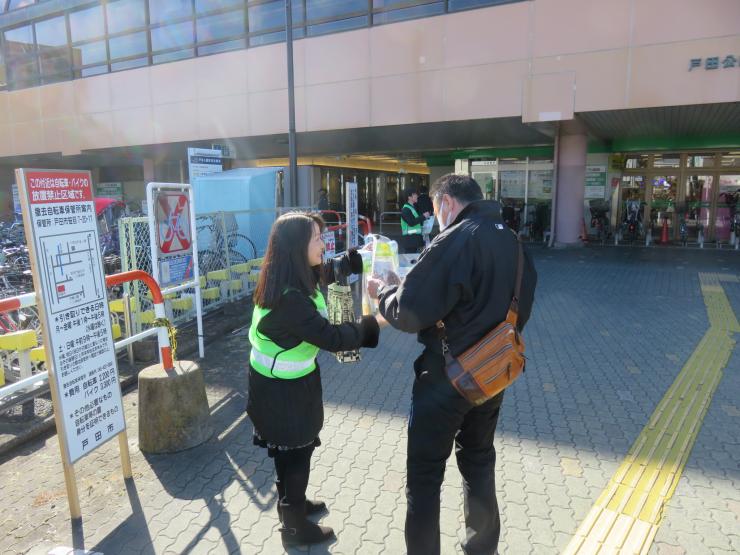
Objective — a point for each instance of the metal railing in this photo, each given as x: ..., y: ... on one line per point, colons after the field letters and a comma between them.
x: 40, y: 381
x: 383, y: 224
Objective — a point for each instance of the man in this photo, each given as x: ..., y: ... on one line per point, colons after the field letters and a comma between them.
x: 423, y: 202
x: 466, y: 278
x: 411, y: 223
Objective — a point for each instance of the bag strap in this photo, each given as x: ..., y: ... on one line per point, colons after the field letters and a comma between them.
x: 513, y: 314
x: 514, y: 307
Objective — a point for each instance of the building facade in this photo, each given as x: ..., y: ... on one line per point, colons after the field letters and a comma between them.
x: 551, y: 103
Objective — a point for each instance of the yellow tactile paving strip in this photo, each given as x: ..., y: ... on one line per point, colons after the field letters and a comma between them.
x: 627, y: 515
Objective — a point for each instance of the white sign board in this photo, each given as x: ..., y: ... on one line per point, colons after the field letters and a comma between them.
x: 353, y: 231
x: 330, y: 245
x: 173, y: 233
x: 68, y: 268
x: 512, y: 183
x: 203, y: 161
x: 595, y: 182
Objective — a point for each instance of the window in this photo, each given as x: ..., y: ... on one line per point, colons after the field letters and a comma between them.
x: 399, y: 14
x: 20, y: 40
x: 128, y: 45
x: 455, y: 5
x: 333, y: 9
x: 15, y: 4
x: 205, y: 6
x: 271, y: 16
x: 636, y: 161
x: 700, y: 161
x: 731, y: 159
x: 173, y: 56
x: 125, y: 15
x: 21, y: 63
x: 222, y: 47
x: 86, y: 24
x: 672, y: 160
x: 162, y: 11
x: 51, y: 41
x: 129, y: 64
x: 89, y: 53
x: 90, y: 71
x: 172, y: 36
x: 221, y: 26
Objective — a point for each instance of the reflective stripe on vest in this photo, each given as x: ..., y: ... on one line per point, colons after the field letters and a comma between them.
x: 407, y: 229
x: 271, y: 360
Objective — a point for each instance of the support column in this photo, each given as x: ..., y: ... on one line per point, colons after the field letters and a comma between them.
x: 573, y: 142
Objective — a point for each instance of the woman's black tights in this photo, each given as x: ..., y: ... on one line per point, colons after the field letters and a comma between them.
x: 292, y: 468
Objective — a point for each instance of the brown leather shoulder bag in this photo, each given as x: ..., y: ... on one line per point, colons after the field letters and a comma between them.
x: 493, y: 363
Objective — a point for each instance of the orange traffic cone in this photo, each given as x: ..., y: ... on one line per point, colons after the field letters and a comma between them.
x: 664, y: 232
x: 584, y: 235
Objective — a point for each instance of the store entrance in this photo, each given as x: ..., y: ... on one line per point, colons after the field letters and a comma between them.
x: 691, y: 196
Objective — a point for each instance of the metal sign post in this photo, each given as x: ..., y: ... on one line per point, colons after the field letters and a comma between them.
x: 64, y: 247
x: 173, y: 242
x: 353, y: 232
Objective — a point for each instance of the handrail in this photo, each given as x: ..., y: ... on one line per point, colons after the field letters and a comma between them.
x: 29, y: 299
x: 133, y: 275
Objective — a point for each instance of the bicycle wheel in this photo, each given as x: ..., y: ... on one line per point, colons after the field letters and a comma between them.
x: 243, y: 245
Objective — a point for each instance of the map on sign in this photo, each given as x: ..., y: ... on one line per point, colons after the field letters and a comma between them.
x: 70, y: 270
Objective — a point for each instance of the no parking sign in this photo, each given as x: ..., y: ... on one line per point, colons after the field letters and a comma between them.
x: 174, y: 235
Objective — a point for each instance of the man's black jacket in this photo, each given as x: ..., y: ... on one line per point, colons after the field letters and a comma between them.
x: 465, y: 278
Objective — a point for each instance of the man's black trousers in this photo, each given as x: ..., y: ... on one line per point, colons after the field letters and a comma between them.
x: 439, y: 418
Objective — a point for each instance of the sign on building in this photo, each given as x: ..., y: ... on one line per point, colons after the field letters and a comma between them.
x: 59, y: 216
x: 112, y: 189
x: 595, y: 182
x: 225, y: 150
x: 203, y: 161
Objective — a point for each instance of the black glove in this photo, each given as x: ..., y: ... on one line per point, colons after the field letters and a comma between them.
x: 355, y: 261
x: 350, y: 263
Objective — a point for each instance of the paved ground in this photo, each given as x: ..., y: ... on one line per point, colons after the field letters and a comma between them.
x: 610, y: 331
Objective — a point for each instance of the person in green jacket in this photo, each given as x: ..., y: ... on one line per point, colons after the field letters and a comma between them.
x: 289, y: 327
x: 411, y: 223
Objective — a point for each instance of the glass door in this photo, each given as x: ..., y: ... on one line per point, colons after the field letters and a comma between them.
x: 663, y: 205
x: 512, y: 194
x: 726, y: 211
x: 632, y: 205
x: 696, y: 208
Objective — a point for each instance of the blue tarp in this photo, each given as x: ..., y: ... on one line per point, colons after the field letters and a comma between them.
x: 234, y: 192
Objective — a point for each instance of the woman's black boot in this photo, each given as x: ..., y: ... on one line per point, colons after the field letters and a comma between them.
x: 298, y: 530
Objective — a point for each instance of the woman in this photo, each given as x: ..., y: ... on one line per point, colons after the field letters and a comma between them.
x: 288, y: 328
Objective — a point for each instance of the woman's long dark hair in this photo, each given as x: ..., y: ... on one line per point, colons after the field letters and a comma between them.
x: 286, y: 263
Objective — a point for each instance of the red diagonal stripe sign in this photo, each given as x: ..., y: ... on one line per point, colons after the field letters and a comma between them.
x: 176, y: 237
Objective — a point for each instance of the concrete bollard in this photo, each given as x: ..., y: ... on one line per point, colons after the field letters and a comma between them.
x: 173, y: 408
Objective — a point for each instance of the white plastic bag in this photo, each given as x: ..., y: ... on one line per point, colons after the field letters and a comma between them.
x: 379, y: 260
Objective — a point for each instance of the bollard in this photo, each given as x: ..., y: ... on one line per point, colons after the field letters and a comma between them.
x: 173, y: 408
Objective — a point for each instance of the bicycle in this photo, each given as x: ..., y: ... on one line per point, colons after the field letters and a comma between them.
x: 239, y: 247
